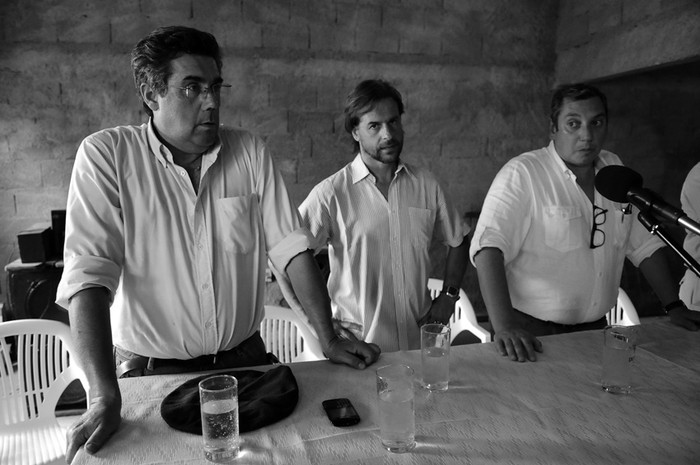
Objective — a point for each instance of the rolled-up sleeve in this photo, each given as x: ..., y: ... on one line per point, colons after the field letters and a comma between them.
x: 285, y: 237
x: 504, y: 219
x: 94, y: 244
x: 642, y: 243
x: 292, y: 245
x: 314, y: 211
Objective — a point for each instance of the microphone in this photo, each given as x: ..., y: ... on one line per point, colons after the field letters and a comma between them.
x: 614, y: 182
x: 622, y: 184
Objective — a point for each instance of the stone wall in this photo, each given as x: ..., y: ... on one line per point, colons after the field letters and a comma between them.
x: 475, y: 75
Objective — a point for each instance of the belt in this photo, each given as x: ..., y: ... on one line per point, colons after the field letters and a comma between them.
x: 594, y: 323
x: 250, y: 352
x: 140, y: 362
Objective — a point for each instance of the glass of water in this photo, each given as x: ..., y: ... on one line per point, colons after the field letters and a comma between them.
x: 435, y: 356
x: 618, y: 354
x: 219, y: 401
x: 395, y: 395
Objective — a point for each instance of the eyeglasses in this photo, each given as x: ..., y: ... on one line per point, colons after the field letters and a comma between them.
x: 195, y: 90
x: 597, y: 234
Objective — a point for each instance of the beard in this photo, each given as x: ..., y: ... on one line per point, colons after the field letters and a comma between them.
x: 388, y: 153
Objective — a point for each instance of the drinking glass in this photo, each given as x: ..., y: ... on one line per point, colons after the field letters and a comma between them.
x: 435, y: 356
x: 219, y: 400
x: 618, y: 354
x: 396, y: 410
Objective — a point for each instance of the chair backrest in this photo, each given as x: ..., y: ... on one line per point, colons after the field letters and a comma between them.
x: 288, y: 337
x: 623, y: 313
x: 463, y: 317
x: 31, y: 387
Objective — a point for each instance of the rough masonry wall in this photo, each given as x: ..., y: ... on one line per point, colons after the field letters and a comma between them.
x: 475, y: 76
x: 603, y: 38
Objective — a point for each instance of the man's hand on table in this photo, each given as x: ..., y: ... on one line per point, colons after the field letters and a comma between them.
x: 517, y: 344
x: 354, y: 353
x: 685, y: 318
x: 95, y: 426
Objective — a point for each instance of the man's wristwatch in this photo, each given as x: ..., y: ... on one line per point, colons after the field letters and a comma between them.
x: 672, y: 305
x: 451, y: 292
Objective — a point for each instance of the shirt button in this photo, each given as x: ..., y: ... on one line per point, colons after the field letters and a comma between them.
x: 182, y: 173
x: 208, y: 324
x: 205, y: 286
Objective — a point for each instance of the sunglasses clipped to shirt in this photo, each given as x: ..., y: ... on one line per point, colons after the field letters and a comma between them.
x: 597, y: 234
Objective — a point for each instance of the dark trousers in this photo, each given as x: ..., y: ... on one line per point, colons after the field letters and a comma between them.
x: 250, y: 352
x: 538, y: 327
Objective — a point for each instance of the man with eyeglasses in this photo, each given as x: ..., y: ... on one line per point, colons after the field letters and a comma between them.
x: 169, y: 228
x: 548, y: 248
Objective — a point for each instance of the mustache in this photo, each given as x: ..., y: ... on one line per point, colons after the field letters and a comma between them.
x: 388, y: 145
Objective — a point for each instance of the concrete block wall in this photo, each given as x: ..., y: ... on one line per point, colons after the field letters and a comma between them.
x: 475, y: 76
x: 602, y: 38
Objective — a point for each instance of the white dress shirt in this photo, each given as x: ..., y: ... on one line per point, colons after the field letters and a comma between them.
x: 539, y: 217
x: 690, y: 203
x: 186, y: 270
x: 379, y: 248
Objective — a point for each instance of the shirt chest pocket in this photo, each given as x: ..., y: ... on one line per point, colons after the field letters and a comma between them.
x: 564, y: 228
x: 422, y: 223
x: 622, y: 225
x: 237, y: 222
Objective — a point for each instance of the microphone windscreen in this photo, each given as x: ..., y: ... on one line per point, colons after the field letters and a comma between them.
x: 614, y: 182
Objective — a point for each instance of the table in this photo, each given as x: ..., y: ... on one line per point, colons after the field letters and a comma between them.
x: 495, y: 411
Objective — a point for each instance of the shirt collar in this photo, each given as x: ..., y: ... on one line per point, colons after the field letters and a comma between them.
x: 161, y: 151
x: 557, y: 160
x: 359, y: 170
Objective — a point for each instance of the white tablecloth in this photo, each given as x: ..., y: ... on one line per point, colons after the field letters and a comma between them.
x: 495, y: 412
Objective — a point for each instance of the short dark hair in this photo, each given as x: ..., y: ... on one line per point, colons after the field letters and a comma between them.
x: 364, y: 98
x: 151, y: 57
x: 577, y: 91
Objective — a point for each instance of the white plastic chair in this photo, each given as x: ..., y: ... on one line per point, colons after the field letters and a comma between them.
x: 623, y: 313
x: 463, y: 317
x: 288, y: 337
x: 29, y: 391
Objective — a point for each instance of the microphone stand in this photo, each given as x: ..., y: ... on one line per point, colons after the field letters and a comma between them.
x: 689, y: 224
x: 654, y: 226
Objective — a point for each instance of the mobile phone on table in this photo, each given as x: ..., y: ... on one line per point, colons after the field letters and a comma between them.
x: 341, y: 412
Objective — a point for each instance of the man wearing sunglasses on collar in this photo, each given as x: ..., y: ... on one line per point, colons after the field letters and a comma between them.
x: 549, y: 249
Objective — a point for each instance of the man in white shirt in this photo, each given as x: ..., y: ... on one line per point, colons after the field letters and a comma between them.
x: 690, y: 203
x: 548, y: 248
x: 378, y: 216
x: 169, y: 227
